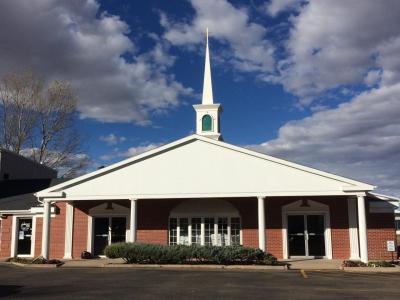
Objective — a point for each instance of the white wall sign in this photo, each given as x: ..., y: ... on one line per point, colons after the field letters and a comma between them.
x: 390, y: 246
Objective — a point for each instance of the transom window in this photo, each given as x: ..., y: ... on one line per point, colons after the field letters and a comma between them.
x: 215, y: 231
x: 206, y: 123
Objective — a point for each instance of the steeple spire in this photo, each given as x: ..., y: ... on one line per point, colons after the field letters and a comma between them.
x: 207, y: 84
x: 208, y: 113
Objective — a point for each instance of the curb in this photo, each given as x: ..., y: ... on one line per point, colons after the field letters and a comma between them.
x: 181, y: 267
x: 395, y: 269
x: 40, y: 266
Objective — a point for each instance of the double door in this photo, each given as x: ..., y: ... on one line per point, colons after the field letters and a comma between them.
x: 306, y: 235
x: 107, y: 230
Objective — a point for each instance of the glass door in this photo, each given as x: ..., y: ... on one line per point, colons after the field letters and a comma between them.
x: 306, y: 235
x: 296, y: 235
x: 107, y: 230
x: 24, y: 236
x: 315, y: 235
x: 118, y: 229
x: 100, y: 232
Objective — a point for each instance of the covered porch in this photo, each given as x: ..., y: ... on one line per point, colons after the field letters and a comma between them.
x: 287, y: 227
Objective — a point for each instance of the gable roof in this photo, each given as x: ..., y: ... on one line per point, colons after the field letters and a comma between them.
x: 348, y: 185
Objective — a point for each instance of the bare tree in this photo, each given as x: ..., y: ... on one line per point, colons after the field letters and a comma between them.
x: 39, y: 122
x: 18, y: 95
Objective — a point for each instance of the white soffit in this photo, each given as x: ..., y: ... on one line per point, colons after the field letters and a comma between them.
x: 198, y: 166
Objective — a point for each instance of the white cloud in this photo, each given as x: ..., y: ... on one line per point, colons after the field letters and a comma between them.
x: 248, y: 48
x: 132, y: 151
x: 275, y: 7
x: 112, y: 139
x: 359, y: 139
x: 74, y: 41
x: 334, y: 43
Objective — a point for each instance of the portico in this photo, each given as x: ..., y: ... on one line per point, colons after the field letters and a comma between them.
x: 187, y: 221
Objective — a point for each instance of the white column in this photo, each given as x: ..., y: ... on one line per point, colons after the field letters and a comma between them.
x: 133, y: 221
x: 261, y: 223
x: 362, y: 223
x: 46, y: 229
x: 203, y: 232
x: 69, y: 225
x: 353, y: 230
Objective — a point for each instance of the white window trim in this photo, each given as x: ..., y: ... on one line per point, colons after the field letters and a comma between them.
x: 202, y: 238
x: 315, y: 208
x: 14, y: 239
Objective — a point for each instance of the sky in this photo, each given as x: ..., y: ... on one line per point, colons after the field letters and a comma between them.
x: 313, y: 82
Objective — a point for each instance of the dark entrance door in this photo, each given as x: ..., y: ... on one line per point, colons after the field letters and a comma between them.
x: 297, y: 246
x: 108, y: 230
x: 100, y: 239
x: 315, y: 233
x: 24, y: 236
x: 306, y: 235
x: 118, y: 230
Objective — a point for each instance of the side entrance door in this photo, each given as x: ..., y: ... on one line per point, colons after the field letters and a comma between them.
x: 306, y: 235
x: 107, y: 230
x: 24, y: 236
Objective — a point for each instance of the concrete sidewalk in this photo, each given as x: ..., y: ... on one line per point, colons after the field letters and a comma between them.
x: 314, y: 264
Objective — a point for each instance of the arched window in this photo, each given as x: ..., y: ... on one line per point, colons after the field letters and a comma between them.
x: 206, y: 123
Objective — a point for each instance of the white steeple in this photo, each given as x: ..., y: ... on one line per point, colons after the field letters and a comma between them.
x: 207, y: 113
x: 207, y: 83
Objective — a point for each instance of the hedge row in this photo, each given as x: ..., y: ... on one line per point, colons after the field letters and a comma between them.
x: 181, y: 254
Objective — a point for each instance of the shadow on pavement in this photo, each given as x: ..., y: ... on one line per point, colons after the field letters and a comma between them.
x: 8, y: 290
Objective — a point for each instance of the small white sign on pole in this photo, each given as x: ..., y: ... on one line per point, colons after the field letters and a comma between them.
x: 390, y: 246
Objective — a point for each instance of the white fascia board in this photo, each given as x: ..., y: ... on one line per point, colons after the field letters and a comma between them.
x: 15, y: 212
x: 208, y: 195
x: 44, y: 195
x: 358, y: 186
x: 384, y: 197
x: 32, y: 211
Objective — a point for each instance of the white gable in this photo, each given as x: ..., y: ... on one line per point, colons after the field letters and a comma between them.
x: 201, y: 167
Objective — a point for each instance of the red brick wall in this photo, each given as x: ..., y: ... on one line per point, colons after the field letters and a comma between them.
x: 5, y: 236
x: 80, y: 231
x: 248, y: 211
x: 380, y: 229
x: 152, y: 223
x: 57, y: 233
x: 38, y: 236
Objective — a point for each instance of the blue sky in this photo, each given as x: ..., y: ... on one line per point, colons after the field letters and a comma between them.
x: 315, y: 82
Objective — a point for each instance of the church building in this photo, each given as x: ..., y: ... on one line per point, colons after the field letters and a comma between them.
x: 202, y: 190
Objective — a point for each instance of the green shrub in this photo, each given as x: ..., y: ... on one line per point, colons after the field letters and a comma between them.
x: 352, y: 263
x: 182, y: 254
x: 382, y: 264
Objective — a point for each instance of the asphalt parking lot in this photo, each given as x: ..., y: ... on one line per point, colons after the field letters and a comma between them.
x: 107, y: 283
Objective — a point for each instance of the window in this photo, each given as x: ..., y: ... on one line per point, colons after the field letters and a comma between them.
x: 173, y: 230
x: 208, y: 231
x: 398, y: 225
x: 206, y: 123
x: 183, y: 231
x: 235, y: 231
x: 222, y: 237
x: 213, y: 231
x: 196, y: 231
